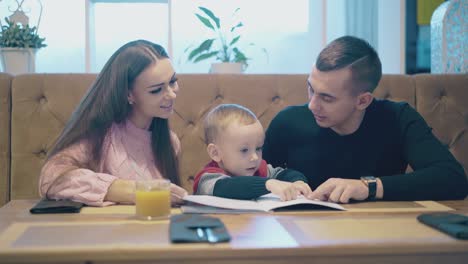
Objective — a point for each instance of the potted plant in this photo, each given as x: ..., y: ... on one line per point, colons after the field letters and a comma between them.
x: 223, y: 45
x: 19, y: 43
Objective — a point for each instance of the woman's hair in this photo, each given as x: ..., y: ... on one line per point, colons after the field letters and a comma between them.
x: 358, y: 55
x: 106, y: 102
x: 224, y: 114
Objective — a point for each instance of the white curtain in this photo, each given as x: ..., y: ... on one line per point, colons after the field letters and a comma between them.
x: 362, y: 20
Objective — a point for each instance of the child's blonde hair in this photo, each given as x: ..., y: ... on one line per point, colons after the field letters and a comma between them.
x: 224, y: 114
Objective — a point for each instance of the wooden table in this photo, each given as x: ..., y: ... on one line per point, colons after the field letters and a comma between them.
x: 112, y: 235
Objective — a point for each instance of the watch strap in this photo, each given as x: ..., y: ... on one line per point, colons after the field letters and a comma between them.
x: 371, y: 183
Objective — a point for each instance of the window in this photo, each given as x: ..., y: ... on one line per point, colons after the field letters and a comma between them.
x: 118, y: 22
x: 289, y: 33
x: 82, y: 34
x: 72, y: 48
x: 63, y: 30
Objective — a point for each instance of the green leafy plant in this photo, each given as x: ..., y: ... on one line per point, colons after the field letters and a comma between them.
x: 223, y: 44
x: 19, y: 36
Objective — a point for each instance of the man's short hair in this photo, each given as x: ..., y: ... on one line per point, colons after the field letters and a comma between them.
x: 358, y: 55
x: 222, y: 115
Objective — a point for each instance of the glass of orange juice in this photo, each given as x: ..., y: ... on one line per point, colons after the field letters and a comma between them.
x: 153, y: 199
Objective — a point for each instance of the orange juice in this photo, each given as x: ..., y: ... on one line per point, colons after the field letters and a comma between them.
x: 152, y: 203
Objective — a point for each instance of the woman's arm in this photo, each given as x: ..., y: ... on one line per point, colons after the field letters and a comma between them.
x: 66, y: 175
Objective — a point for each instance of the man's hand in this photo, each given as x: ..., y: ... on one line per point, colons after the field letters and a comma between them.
x: 285, y: 190
x: 177, y: 193
x: 302, y: 188
x: 340, y: 190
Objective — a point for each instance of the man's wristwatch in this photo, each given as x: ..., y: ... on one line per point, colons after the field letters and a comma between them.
x: 371, y: 182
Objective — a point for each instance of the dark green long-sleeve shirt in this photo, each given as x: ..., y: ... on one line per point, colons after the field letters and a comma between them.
x: 391, y: 136
x: 213, y: 180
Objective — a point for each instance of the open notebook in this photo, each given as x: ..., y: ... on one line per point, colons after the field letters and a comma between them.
x: 265, y: 203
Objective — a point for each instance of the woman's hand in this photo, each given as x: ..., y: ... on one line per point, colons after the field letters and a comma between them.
x: 177, y: 193
x: 121, y: 191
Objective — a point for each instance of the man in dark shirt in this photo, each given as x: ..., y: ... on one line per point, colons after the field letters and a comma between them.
x: 352, y: 146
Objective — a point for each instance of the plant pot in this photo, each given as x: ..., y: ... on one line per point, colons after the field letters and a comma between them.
x: 18, y: 60
x: 227, y: 67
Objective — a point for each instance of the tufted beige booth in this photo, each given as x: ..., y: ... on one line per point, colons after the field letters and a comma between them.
x: 5, y: 84
x: 41, y: 104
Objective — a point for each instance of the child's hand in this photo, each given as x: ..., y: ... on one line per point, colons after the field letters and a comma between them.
x: 285, y: 190
x: 302, y: 188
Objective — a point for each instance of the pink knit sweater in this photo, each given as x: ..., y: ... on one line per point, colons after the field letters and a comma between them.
x: 126, y: 155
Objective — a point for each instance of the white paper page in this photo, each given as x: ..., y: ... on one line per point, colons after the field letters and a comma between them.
x: 223, y: 202
x: 206, y: 209
x: 271, y: 201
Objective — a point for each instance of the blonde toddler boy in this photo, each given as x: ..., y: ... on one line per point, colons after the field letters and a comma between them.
x: 234, y: 139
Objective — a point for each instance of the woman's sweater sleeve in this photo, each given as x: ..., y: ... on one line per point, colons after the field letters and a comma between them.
x: 65, y: 176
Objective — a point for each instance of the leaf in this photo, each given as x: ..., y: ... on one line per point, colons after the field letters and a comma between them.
x: 239, y: 56
x: 234, y: 40
x: 204, y: 46
x: 211, y: 15
x: 194, y: 53
x: 226, y: 51
x: 187, y: 48
x: 224, y: 55
x: 237, y: 26
x: 205, y: 21
x: 205, y: 56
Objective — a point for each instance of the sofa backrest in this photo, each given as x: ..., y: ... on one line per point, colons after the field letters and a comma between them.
x: 443, y: 102
x: 5, y: 104
x: 42, y: 103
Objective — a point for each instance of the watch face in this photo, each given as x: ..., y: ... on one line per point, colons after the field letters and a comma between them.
x: 369, y: 179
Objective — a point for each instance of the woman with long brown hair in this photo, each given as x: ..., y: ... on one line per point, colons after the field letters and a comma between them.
x: 119, y: 132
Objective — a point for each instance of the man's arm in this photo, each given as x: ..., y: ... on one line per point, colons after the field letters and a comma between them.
x: 437, y: 175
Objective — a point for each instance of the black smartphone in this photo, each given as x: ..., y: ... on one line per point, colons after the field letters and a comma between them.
x: 46, y: 206
x: 455, y: 225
